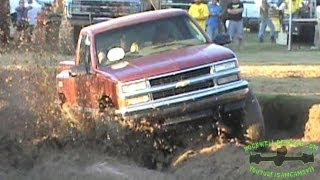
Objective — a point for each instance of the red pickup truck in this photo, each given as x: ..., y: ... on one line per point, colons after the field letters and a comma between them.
x: 159, y: 66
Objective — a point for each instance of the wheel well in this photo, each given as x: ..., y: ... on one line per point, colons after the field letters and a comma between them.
x: 62, y: 98
x: 105, y: 102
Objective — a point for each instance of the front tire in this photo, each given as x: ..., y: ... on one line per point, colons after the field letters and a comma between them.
x: 246, y: 124
x: 82, y: 122
x: 253, y: 122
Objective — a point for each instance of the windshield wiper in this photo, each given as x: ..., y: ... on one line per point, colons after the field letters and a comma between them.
x: 172, y: 43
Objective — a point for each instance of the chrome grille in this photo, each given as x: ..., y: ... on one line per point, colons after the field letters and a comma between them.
x: 104, y: 8
x: 181, y: 90
x: 180, y: 76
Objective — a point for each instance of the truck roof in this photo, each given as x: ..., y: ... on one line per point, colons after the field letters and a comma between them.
x: 133, y: 19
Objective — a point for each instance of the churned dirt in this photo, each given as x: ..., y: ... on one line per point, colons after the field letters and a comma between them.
x: 34, y: 144
x: 281, y: 71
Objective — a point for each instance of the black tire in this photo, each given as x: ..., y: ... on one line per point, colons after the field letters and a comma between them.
x: 66, y: 37
x: 82, y: 122
x: 252, y: 120
x: 108, y: 126
x: 246, y: 124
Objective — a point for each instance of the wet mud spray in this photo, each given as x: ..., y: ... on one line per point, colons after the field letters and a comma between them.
x: 34, y: 144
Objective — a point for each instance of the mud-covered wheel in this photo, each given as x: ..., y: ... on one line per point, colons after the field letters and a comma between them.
x: 83, y: 122
x: 66, y: 37
x: 108, y: 126
x: 252, y: 119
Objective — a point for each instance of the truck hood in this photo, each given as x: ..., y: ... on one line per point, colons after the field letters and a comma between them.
x: 166, y: 62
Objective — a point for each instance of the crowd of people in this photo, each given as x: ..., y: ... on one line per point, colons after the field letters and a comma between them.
x: 213, y: 15
x: 24, y: 18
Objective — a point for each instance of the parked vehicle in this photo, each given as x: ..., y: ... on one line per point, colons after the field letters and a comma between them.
x: 251, y: 15
x: 303, y: 23
x: 160, y: 68
x: 76, y: 14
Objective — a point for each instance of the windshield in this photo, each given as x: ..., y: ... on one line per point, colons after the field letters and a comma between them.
x: 149, y: 38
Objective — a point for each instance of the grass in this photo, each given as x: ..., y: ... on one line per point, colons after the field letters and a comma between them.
x: 254, y: 53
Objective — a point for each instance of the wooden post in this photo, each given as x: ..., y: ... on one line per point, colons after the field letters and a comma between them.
x: 317, y: 29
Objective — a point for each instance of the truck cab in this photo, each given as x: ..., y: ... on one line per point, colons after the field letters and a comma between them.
x: 157, y: 65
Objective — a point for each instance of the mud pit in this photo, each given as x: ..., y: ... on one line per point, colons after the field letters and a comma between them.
x: 35, y: 145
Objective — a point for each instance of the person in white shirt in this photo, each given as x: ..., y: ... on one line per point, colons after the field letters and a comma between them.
x: 13, y: 5
x: 35, y: 9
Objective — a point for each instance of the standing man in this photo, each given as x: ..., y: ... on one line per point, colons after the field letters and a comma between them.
x: 214, y: 19
x: 34, y: 10
x: 235, y: 28
x: 224, y: 15
x: 22, y: 19
x: 265, y: 21
x: 200, y: 12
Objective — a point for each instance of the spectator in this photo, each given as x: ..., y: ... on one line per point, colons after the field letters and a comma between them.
x: 22, y: 18
x: 224, y: 15
x: 34, y: 10
x: 235, y: 27
x: 200, y: 12
x: 214, y: 19
x: 284, y: 10
x: 13, y: 5
x: 265, y: 21
x: 296, y: 6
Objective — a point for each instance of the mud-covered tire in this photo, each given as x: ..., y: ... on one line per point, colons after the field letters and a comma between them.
x: 66, y: 37
x: 252, y: 119
x: 83, y: 122
x: 107, y: 126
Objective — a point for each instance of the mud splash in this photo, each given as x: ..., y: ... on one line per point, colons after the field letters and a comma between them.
x: 34, y: 144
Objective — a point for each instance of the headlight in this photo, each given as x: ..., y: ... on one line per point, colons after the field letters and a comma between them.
x: 227, y: 79
x: 137, y: 100
x: 224, y: 66
x: 134, y: 87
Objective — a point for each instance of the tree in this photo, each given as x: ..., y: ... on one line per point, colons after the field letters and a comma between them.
x: 4, y: 22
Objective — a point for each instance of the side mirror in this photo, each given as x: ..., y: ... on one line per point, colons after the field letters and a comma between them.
x: 222, y: 39
x: 78, y: 70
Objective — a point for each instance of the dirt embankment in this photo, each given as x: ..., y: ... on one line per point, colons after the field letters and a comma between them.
x: 30, y: 147
x: 281, y: 71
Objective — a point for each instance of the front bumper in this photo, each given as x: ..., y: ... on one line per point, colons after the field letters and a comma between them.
x: 84, y: 20
x: 192, y: 106
x: 187, y: 107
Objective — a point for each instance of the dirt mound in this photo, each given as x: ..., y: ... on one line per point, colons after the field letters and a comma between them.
x: 33, y: 126
x: 312, y: 130
x: 281, y: 71
x: 34, y: 144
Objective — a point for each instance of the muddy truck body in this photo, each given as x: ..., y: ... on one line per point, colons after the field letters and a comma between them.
x: 177, y: 78
x: 77, y: 14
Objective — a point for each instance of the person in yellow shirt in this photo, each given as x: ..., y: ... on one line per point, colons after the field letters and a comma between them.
x: 296, y: 6
x: 200, y: 12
